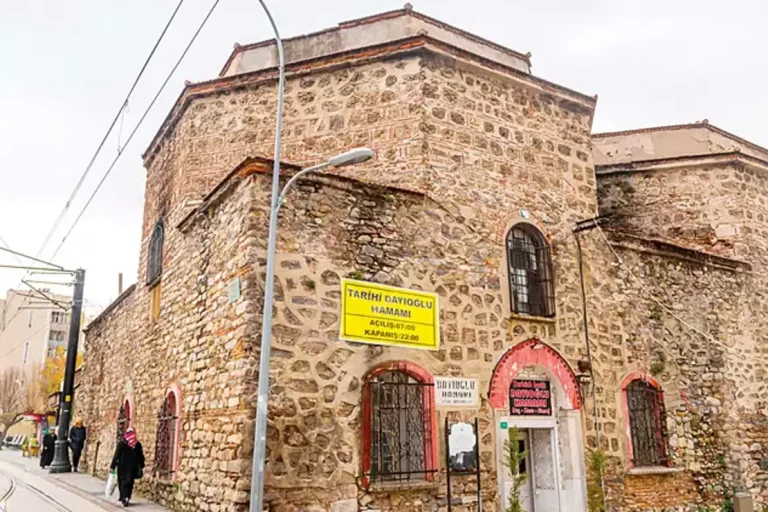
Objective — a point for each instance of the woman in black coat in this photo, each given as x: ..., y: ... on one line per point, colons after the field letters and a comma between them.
x: 77, y: 442
x: 49, y: 444
x: 129, y: 461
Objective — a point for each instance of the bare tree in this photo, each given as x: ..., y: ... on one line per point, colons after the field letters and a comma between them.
x: 35, y: 398
x: 14, y: 398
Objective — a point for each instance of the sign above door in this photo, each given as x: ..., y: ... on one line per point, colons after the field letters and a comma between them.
x: 530, y: 398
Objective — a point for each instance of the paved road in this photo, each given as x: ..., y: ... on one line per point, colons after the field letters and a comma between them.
x: 21, y: 491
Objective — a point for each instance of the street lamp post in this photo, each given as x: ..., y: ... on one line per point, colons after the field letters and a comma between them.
x: 354, y: 156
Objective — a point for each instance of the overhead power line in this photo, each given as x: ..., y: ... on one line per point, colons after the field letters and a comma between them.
x: 136, y: 128
x: 117, y: 117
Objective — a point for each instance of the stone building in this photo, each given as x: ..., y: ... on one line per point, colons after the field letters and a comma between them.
x: 484, y: 189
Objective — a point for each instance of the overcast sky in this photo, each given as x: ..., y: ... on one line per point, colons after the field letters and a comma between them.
x: 66, y: 66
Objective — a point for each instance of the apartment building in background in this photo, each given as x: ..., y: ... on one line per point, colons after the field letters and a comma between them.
x: 31, y: 328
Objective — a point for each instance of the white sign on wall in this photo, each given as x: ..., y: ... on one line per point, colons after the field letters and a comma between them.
x: 456, y: 391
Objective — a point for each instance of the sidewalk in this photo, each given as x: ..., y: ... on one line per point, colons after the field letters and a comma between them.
x: 82, y: 484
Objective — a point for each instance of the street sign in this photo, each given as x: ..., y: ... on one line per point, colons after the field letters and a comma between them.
x: 456, y: 392
x: 386, y: 315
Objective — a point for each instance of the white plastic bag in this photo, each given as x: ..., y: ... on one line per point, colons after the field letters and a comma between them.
x: 111, y: 484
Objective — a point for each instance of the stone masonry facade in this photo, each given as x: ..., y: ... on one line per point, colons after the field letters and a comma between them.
x: 466, y: 148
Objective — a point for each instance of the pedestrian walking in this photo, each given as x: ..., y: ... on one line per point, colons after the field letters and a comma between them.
x: 77, y: 442
x: 129, y: 462
x: 49, y: 443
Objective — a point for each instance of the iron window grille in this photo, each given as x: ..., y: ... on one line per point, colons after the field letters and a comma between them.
x: 646, y: 424
x: 155, y: 256
x: 165, y: 444
x: 401, y: 434
x: 530, y: 272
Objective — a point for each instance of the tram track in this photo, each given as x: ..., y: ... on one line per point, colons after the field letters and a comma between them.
x: 15, y: 484
x: 7, y: 494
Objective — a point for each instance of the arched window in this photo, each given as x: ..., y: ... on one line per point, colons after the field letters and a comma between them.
x: 123, y: 419
x: 155, y: 255
x: 645, y: 411
x: 530, y: 272
x: 399, y: 425
x: 166, y: 443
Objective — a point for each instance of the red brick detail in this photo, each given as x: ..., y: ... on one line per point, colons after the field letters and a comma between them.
x: 529, y: 353
x: 657, y: 492
x: 430, y: 421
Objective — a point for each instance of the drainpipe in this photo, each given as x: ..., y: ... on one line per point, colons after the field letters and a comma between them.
x: 586, y: 330
x: 584, y: 226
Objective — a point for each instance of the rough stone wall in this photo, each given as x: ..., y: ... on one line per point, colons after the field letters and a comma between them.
x: 196, y: 344
x: 109, y: 339
x: 646, y: 339
x: 463, y: 260
x: 495, y: 135
x: 470, y: 153
x: 372, y: 104
x: 719, y: 209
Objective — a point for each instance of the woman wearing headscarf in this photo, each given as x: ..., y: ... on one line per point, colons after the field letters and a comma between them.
x: 77, y: 442
x: 49, y: 443
x: 129, y: 461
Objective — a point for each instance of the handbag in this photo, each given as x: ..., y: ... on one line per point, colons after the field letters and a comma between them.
x: 139, y: 472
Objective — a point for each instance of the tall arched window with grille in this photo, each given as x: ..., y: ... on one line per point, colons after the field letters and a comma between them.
x: 123, y: 419
x: 529, y: 265
x: 167, y: 437
x: 646, y: 416
x: 155, y: 254
x: 399, y: 428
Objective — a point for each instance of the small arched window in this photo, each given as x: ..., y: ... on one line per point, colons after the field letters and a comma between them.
x: 530, y: 272
x: 166, y: 443
x: 399, y: 426
x: 645, y: 408
x: 155, y: 255
x: 123, y: 419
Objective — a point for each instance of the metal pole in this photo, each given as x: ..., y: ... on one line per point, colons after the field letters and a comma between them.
x: 477, y: 464
x: 260, y: 430
x: 448, y: 464
x: 586, y: 339
x: 15, y: 253
x: 60, y: 462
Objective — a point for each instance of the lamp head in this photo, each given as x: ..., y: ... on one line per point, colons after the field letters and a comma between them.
x: 352, y: 157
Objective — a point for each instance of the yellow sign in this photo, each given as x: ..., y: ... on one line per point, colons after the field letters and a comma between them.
x: 385, y: 315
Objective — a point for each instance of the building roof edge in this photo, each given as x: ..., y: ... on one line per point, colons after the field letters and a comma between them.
x: 371, y: 53
x: 672, y: 127
x: 120, y: 298
x: 407, y: 11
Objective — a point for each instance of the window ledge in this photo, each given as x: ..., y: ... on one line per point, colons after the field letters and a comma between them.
x: 654, y: 470
x: 532, y: 318
x: 418, y: 485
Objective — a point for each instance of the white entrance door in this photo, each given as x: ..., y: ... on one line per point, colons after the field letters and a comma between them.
x: 540, y: 493
x: 544, y: 470
x: 526, y: 494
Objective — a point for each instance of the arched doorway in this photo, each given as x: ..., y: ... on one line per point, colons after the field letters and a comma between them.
x: 534, y: 390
